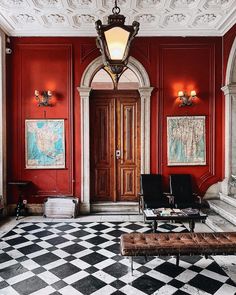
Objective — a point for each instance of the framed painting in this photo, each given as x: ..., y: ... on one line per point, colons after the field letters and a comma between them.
x: 44, y: 144
x: 186, y: 141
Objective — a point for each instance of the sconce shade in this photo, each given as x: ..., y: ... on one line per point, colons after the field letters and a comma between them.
x: 114, y: 40
x: 43, y: 100
x: 185, y: 99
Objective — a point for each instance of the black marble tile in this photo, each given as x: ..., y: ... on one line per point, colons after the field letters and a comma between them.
x: 45, y: 258
x: 216, y: 268
x: 88, y: 285
x: 180, y: 292
x: 96, y: 240
x: 65, y: 227
x: 31, y: 227
x: 4, y: 257
x: 147, y: 284
x: 65, y: 270
x: 169, y: 269
x: 79, y: 233
x: 176, y: 283
x: 118, y: 284
x: 29, y: 286
x: 38, y: 270
x: 30, y: 249
x: 91, y: 269
x: 3, y: 285
x: 117, y: 270
x: 118, y: 292
x: 205, y: 283
x: 93, y: 258
x: 17, y: 241
x: 43, y: 234
x: 57, y: 241
x: 11, y: 271
x: 100, y: 227
x: 59, y: 285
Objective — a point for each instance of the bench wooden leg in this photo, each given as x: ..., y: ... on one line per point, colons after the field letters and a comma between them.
x: 177, y: 259
x: 131, y: 264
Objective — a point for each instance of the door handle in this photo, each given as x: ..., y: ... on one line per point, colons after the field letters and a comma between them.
x: 117, y: 154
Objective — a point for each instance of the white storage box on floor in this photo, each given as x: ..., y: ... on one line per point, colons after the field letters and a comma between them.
x: 61, y: 207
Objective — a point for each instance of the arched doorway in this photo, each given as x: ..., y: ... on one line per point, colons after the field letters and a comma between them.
x: 230, y: 121
x: 85, y: 91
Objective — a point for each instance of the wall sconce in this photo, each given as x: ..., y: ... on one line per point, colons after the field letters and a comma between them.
x: 43, y: 100
x: 185, y: 99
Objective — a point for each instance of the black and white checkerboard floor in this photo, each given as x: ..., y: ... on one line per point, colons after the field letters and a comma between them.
x: 70, y: 258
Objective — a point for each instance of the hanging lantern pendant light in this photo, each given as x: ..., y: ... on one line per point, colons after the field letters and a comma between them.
x: 114, y: 40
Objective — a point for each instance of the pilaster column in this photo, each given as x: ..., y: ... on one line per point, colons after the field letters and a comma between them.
x: 230, y: 133
x: 85, y: 150
x: 3, y: 155
x: 145, y: 94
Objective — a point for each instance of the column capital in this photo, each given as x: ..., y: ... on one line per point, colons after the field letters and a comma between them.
x: 145, y: 91
x: 84, y: 91
x: 229, y: 89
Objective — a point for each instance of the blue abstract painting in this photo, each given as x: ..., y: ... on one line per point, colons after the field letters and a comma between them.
x: 45, y: 144
x: 186, y: 141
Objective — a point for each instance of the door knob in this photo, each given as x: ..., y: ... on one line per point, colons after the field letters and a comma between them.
x: 117, y: 154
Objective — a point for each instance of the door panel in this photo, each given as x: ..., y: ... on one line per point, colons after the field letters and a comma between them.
x: 115, y: 145
x: 128, y: 142
x: 102, y: 148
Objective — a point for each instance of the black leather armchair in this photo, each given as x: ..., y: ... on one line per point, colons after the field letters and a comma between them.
x: 182, y: 191
x: 152, y: 195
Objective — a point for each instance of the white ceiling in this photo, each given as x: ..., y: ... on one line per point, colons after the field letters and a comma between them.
x: 156, y: 17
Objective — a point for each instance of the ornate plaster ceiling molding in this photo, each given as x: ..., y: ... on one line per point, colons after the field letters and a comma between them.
x: 77, y: 17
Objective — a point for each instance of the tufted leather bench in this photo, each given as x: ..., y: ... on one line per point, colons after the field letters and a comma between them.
x: 165, y: 244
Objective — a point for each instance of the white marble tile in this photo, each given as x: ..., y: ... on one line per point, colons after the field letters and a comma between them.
x: 226, y: 290
x: 30, y: 264
x: 69, y: 290
x: 75, y: 277
x: 159, y: 276
x: 48, y: 277
x: 20, y: 277
x: 45, y: 291
x: 103, y: 276
x: 80, y: 263
x: 55, y: 264
x: 9, y: 291
x: 106, y: 290
x: 186, y: 276
x: 131, y: 291
x: 166, y: 290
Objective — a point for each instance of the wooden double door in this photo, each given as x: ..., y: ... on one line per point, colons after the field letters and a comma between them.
x: 115, y: 145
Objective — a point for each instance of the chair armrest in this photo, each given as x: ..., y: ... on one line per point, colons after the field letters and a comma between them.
x: 170, y: 197
x: 197, y: 197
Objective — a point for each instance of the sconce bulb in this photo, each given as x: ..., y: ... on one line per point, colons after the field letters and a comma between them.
x: 193, y: 93
x: 36, y: 93
x: 180, y: 93
x: 49, y: 93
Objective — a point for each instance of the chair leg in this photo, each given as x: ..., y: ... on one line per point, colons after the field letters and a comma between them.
x: 177, y: 259
x: 131, y: 264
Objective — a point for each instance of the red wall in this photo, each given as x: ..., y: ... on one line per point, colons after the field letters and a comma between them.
x: 58, y: 64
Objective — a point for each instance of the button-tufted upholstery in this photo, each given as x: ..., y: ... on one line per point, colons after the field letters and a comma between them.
x: 155, y: 244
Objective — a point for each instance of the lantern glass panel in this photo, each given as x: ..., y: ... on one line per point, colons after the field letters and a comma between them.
x: 117, y: 39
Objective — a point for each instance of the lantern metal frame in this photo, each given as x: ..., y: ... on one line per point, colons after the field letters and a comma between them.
x: 115, y: 20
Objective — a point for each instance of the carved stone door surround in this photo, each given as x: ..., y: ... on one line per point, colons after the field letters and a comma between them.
x: 84, y: 90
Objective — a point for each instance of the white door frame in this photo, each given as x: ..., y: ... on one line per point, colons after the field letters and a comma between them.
x: 84, y: 90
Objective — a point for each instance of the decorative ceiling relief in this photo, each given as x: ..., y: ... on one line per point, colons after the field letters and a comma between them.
x: 56, y: 19
x: 146, y: 18
x: 25, y: 18
x: 84, y: 19
x: 77, y: 17
x: 148, y: 3
x: 205, y: 19
x: 176, y: 19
